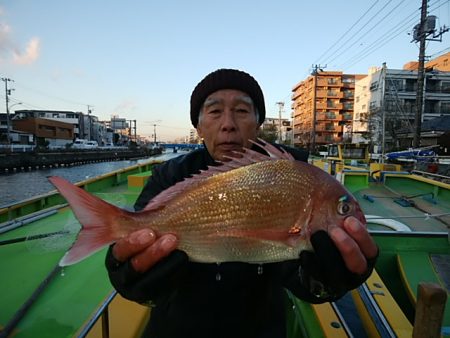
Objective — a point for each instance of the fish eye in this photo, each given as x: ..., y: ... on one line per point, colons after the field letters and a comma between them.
x: 343, y: 208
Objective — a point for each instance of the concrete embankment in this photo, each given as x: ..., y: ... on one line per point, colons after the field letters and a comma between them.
x: 32, y: 161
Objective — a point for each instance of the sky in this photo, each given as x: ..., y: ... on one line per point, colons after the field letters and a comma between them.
x: 140, y: 60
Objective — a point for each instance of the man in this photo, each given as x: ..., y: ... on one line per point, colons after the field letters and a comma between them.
x: 231, y: 299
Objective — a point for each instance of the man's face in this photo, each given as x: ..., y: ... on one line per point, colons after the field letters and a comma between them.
x: 227, y: 122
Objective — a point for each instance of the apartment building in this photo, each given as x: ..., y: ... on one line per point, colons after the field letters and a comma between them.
x: 84, y: 126
x: 56, y: 133
x: 323, y: 109
x: 441, y: 63
x: 74, y: 118
x: 385, y: 104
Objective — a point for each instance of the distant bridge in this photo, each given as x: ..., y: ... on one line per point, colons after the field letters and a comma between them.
x: 179, y: 146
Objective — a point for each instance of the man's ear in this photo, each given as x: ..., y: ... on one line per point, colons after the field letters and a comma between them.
x: 199, y: 131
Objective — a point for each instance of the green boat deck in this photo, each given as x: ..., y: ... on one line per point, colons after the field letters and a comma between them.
x: 59, y: 302
x: 75, y: 295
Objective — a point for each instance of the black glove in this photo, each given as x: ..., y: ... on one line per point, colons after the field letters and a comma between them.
x: 324, y: 273
x: 151, y: 286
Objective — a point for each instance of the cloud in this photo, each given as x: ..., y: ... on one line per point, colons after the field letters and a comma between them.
x: 30, y: 54
x: 10, y: 52
x: 125, y: 106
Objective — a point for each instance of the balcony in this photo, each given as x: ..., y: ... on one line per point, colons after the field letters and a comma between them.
x: 348, y: 95
x: 322, y: 83
x: 328, y: 116
x: 321, y: 105
x: 335, y: 93
x: 334, y: 82
x: 348, y: 85
x: 331, y: 105
x: 327, y: 127
x: 321, y: 93
x: 347, y: 117
x: 326, y: 139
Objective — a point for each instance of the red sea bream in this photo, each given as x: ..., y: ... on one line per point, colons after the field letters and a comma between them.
x: 255, y: 208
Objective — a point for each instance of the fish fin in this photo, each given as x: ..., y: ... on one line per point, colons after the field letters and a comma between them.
x: 240, y: 159
x: 97, y: 219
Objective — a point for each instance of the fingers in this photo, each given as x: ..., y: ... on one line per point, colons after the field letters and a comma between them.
x: 144, y: 248
x: 354, y: 244
x: 362, y: 237
x: 133, y: 244
x: 161, y: 248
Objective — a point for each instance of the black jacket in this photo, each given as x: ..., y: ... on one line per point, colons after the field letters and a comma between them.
x: 208, y: 300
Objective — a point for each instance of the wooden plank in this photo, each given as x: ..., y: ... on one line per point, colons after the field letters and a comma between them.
x: 416, y: 268
x: 429, y: 310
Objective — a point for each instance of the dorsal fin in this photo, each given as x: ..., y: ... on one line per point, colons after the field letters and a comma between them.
x: 242, y: 159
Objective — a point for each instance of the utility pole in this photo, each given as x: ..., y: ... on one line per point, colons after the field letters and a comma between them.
x: 154, y: 134
x: 425, y: 28
x: 132, y: 130
x: 280, y: 111
x: 89, y: 111
x: 315, y: 70
x: 420, y: 76
x: 7, y: 93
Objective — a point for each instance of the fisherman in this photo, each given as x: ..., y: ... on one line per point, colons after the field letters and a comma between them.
x: 232, y: 299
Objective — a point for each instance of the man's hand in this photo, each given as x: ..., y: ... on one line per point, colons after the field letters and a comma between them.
x: 144, y: 266
x: 355, y: 245
x: 144, y: 249
x: 342, y: 260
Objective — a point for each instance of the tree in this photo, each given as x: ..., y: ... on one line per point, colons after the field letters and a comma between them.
x: 269, y: 133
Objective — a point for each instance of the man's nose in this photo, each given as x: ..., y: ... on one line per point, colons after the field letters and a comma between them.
x: 228, y: 121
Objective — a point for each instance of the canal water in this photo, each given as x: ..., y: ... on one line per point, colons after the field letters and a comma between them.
x: 19, y: 186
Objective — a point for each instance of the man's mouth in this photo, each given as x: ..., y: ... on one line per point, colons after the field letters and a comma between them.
x: 228, y: 146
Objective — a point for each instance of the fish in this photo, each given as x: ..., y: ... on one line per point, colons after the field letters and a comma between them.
x: 254, y: 208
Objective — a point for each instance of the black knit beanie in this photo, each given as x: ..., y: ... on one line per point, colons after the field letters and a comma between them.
x: 227, y: 79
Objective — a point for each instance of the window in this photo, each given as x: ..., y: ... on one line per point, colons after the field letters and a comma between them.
x: 445, y: 87
x: 394, y: 85
x: 348, y: 80
x: 348, y: 105
x: 430, y: 107
x: 411, y: 85
x: 445, y: 107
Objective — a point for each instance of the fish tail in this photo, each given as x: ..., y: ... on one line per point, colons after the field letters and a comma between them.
x: 97, y: 218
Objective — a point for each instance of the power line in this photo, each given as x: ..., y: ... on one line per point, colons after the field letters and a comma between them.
x: 348, y: 30
x: 51, y: 96
x: 370, y: 29
x: 440, y: 52
x: 344, y: 44
x: 383, y: 40
x: 378, y: 42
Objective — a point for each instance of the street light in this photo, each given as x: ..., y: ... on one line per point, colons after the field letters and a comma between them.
x: 15, y: 104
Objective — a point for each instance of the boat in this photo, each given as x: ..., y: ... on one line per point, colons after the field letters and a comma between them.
x: 408, y: 216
